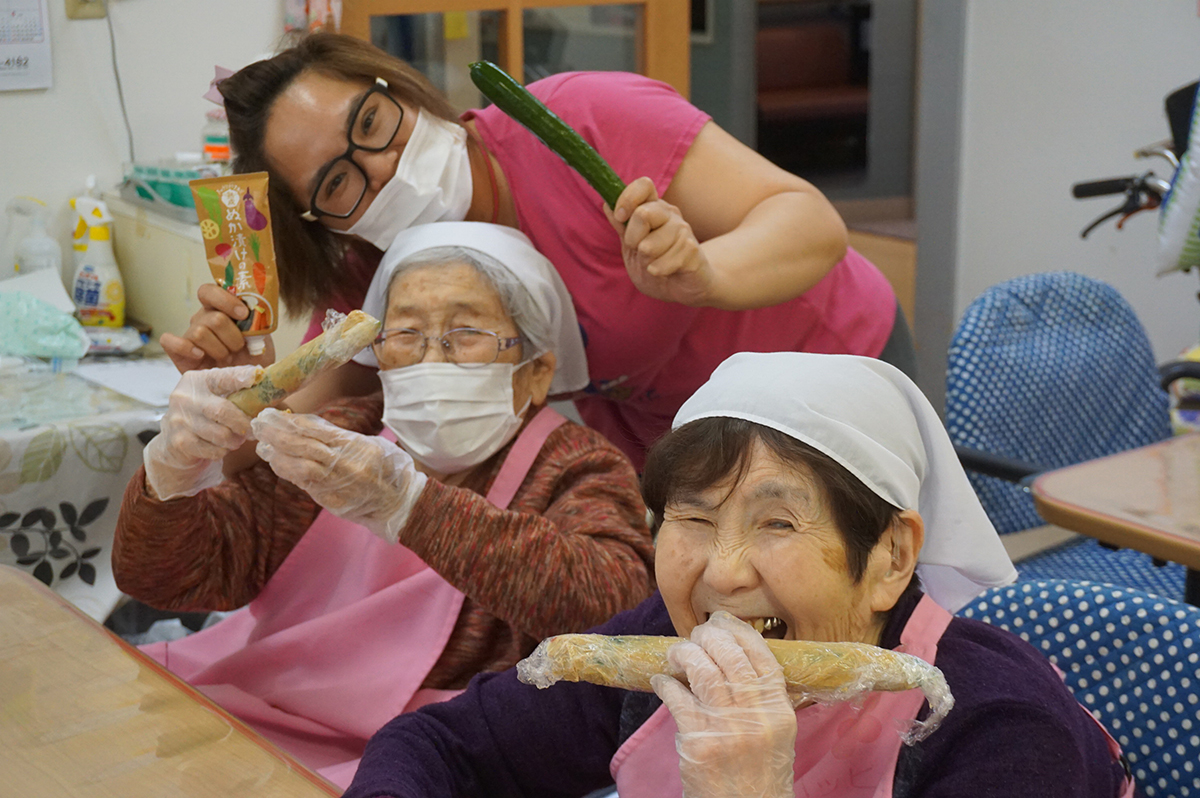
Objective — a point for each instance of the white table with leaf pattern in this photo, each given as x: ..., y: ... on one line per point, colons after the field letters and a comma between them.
x: 68, y: 448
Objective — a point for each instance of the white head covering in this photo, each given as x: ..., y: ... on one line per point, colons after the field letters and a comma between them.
x: 870, y: 418
x: 515, y: 252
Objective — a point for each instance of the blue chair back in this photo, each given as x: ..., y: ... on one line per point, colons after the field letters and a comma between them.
x: 1131, y: 658
x: 1052, y: 369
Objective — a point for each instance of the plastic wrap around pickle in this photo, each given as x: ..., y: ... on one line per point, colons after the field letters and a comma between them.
x: 824, y: 672
x: 330, y: 349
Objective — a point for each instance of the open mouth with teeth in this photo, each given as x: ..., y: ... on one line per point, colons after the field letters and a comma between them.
x: 770, y: 627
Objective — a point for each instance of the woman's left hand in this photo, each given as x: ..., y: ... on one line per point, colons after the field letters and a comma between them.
x: 362, y: 478
x: 737, y: 727
x: 662, y: 255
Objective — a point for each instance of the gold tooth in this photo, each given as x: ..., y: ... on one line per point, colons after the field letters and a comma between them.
x: 770, y: 623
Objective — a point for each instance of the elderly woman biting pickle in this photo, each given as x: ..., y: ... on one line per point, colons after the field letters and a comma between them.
x: 807, y: 498
x: 380, y: 572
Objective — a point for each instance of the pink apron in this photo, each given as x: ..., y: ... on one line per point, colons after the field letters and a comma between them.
x: 341, y: 637
x: 841, y: 749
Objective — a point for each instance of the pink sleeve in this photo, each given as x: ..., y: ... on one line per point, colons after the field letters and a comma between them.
x: 314, y: 327
x: 642, y: 127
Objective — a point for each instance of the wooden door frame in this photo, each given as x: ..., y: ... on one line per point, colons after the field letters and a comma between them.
x: 664, y: 39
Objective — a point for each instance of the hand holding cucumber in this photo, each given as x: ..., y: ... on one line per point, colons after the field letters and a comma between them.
x: 662, y: 256
x: 660, y: 250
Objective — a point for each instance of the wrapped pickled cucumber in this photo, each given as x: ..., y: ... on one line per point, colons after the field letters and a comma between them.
x: 824, y: 672
x: 330, y: 349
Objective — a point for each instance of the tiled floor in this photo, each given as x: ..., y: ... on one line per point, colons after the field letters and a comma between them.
x: 896, y: 228
x: 1029, y: 542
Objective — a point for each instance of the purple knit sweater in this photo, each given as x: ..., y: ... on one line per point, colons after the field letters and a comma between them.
x: 1015, y: 729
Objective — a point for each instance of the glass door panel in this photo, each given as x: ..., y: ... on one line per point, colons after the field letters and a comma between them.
x: 441, y: 37
x: 442, y: 46
x: 556, y: 39
x: 581, y: 38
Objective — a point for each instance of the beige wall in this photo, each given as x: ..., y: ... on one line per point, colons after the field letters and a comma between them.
x: 1056, y: 93
x: 54, y: 138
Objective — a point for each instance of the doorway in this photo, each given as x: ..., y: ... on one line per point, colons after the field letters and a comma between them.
x: 835, y: 99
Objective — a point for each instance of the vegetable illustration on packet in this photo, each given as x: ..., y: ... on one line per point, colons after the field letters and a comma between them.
x: 235, y: 223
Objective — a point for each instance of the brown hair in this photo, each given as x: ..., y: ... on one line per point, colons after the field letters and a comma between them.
x: 709, y: 451
x: 316, y: 266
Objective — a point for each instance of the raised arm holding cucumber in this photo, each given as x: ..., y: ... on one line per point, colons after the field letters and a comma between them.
x: 708, y: 250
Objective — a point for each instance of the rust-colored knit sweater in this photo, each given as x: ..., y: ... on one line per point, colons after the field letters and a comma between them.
x: 572, y: 549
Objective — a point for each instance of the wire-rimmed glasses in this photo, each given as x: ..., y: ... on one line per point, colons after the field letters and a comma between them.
x: 468, y: 347
x: 341, y: 183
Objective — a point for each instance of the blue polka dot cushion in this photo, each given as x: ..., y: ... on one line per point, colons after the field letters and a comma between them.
x: 1085, y: 558
x: 1130, y: 658
x: 1052, y: 369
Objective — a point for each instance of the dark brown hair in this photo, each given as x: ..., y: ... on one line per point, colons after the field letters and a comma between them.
x: 710, y: 451
x: 315, y: 265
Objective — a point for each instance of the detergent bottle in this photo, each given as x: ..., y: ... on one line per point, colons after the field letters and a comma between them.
x: 38, y: 250
x: 97, y: 289
x: 82, y: 205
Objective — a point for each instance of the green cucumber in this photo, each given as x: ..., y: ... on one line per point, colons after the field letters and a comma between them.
x: 515, y: 100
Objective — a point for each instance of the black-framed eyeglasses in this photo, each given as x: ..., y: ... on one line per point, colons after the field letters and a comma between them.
x: 341, y: 183
x: 469, y: 347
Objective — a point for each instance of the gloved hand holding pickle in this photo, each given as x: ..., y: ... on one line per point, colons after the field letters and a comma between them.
x: 210, y: 410
x: 736, y: 725
x: 364, y: 479
x: 200, y: 427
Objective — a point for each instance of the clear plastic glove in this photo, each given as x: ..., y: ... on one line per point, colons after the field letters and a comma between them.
x: 737, y: 727
x: 362, y: 478
x: 200, y: 427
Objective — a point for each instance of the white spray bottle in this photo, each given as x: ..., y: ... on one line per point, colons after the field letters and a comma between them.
x: 38, y: 250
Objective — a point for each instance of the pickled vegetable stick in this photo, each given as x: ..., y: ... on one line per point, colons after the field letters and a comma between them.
x: 328, y: 350
x: 824, y: 672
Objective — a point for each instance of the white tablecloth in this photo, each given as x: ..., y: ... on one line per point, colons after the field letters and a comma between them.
x: 67, y: 450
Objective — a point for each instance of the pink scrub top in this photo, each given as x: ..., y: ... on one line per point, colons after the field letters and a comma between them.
x: 647, y: 356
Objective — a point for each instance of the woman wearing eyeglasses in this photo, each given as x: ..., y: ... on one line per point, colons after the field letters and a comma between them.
x: 710, y: 250
x: 380, y: 571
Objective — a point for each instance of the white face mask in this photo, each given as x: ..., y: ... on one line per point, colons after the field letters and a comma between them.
x: 450, y: 418
x: 432, y: 184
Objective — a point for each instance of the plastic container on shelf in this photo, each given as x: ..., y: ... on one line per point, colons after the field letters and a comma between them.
x: 214, y: 136
x: 163, y: 185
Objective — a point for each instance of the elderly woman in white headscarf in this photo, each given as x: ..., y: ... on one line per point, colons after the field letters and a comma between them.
x: 383, y: 570
x: 801, y: 497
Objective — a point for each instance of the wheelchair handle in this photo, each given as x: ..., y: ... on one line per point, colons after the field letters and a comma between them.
x: 1009, y: 469
x: 1178, y: 370
x: 1102, y: 188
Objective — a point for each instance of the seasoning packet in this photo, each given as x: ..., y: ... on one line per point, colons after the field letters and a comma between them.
x: 235, y: 223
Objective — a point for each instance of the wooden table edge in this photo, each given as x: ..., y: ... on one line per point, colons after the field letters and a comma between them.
x: 204, y: 701
x: 1115, y: 531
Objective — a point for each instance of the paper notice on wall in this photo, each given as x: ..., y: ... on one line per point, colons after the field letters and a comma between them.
x: 24, y: 45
